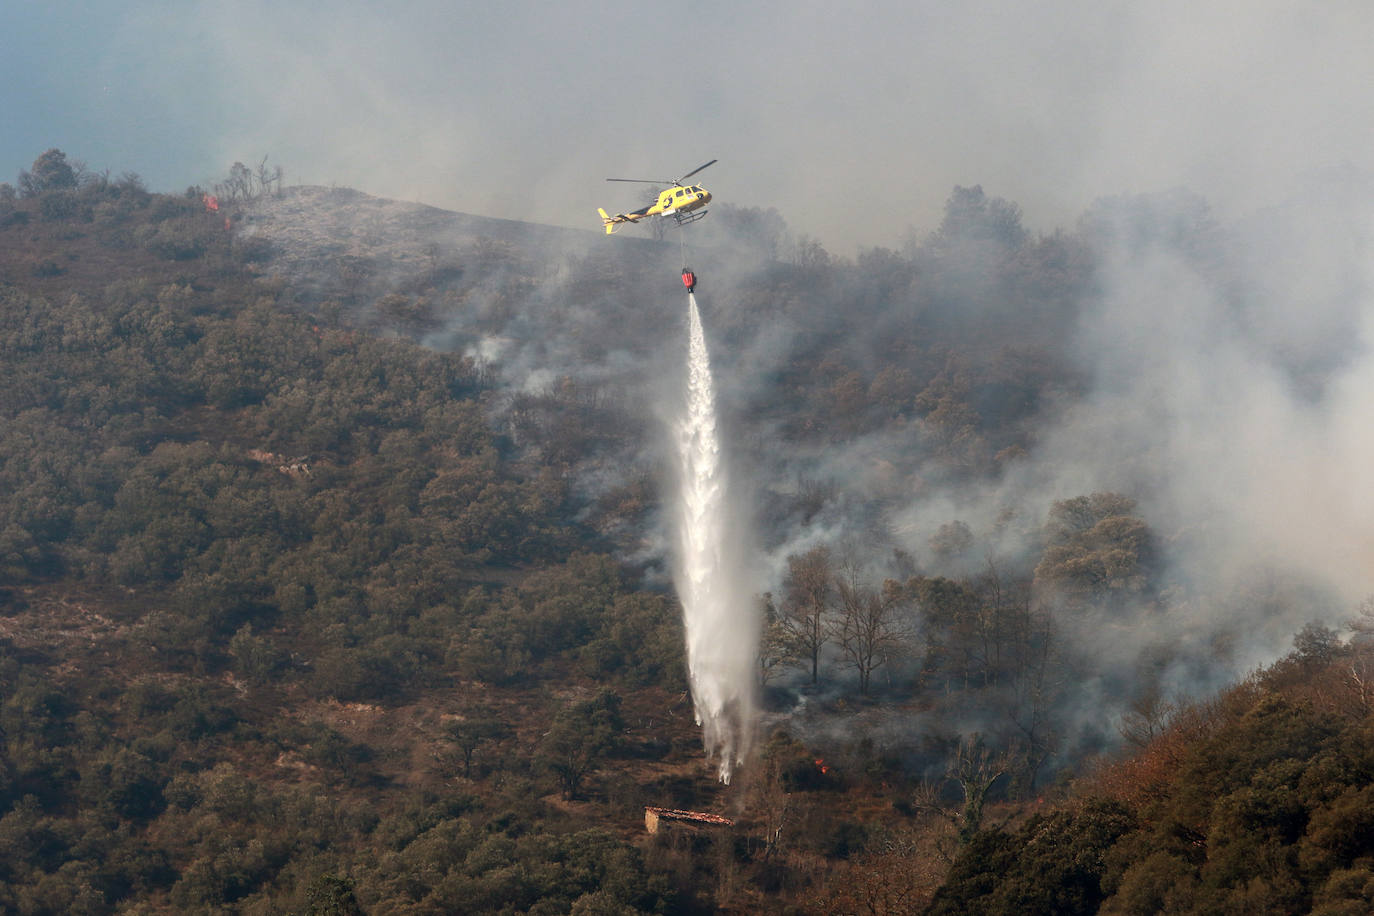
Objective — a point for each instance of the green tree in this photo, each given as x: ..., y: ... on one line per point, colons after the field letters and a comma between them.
x: 479, y: 725
x: 1316, y: 645
x: 581, y: 735
x: 331, y: 895
x: 1054, y: 864
x: 971, y: 217
x: 951, y: 421
x: 1097, y: 552
x: 51, y: 172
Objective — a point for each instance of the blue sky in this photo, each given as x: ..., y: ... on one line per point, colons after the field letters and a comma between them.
x: 854, y: 120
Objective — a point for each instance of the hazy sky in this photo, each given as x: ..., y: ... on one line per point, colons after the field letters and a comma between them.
x: 853, y: 119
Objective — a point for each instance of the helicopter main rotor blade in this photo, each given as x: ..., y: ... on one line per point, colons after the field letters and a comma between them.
x: 694, y: 171
x: 668, y: 181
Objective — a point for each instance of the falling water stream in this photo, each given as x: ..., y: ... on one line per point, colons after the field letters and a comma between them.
x: 718, y: 608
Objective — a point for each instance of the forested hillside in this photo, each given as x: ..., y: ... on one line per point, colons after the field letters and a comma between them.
x: 1257, y: 801
x: 229, y: 533
x: 333, y: 568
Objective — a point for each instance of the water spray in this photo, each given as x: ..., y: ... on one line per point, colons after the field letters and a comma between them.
x: 719, y: 615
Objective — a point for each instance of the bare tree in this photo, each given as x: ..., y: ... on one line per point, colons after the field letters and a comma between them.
x: 1001, y: 627
x: 808, y: 591
x: 1147, y: 717
x: 658, y: 225
x: 774, y: 645
x: 895, y: 875
x: 239, y: 184
x: 245, y: 184
x: 869, y: 629
x: 1038, y: 688
x: 268, y: 178
x: 975, y: 768
x: 1360, y: 685
x: 948, y: 611
x: 1362, y: 626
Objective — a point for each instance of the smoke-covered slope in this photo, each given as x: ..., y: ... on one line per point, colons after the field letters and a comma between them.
x: 1013, y: 489
x: 924, y: 412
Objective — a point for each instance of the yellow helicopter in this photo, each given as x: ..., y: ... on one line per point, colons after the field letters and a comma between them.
x: 682, y: 202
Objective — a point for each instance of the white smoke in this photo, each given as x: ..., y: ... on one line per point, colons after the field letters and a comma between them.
x: 719, y: 612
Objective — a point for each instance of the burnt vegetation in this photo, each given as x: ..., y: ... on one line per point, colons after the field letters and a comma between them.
x: 299, y: 615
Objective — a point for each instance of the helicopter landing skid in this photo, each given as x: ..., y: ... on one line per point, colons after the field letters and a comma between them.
x: 685, y: 218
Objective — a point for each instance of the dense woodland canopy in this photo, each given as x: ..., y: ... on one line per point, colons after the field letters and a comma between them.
x: 300, y: 615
